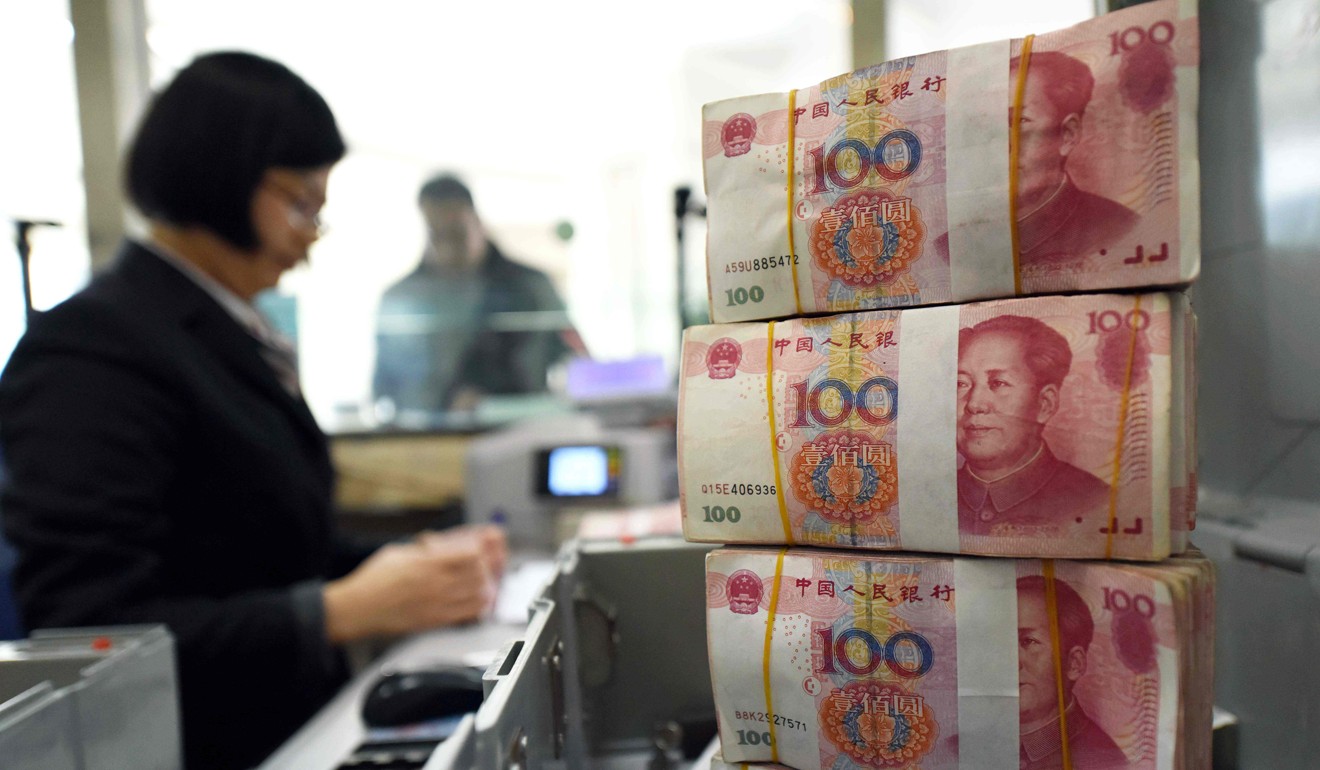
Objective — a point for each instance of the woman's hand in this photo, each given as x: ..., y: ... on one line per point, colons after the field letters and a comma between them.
x: 439, y: 579
x: 489, y: 538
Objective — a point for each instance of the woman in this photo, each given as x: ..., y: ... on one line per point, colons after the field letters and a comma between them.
x: 163, y: 465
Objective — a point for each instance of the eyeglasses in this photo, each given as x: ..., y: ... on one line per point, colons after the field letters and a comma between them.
x: 303, y: 214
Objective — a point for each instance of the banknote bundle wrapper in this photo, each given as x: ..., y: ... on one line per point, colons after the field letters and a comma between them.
x: 1053, y: 427
x: 898, y: 179
x: 941, y: 663
x: 718, y: 762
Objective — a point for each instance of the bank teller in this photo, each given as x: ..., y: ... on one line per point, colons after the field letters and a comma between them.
x: 163, y: 466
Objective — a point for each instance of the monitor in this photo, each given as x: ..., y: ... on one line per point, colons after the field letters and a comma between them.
x: 576, y: 472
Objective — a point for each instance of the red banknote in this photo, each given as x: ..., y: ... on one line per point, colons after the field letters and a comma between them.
x: 893, y: 186
x: 1057, y: 426
x: 825, y: 659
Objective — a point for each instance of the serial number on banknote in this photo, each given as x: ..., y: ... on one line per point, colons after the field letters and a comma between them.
x: 779, y: 719
x: 764, y: 263
x: 739, y: 489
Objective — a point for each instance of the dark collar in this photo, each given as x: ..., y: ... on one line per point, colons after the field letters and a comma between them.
x: 177, y: 299
x: 1008, y: 492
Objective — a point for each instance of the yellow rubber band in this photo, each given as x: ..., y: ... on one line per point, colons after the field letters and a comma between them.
x: 774, y: 431
x: 792, y: 171
x: 1014, y: 145
x: 765, y: 655
x: 1122, y: 430
x: 1052, y: 606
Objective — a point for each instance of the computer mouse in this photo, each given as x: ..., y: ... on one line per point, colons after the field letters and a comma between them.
x: 408, y: 697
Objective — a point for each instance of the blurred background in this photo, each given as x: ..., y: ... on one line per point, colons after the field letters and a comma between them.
x: 572, y: 122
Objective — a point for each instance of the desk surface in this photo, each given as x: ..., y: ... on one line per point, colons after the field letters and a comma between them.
x: 337, y: 729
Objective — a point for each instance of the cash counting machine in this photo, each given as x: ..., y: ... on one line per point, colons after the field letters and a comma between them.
x: 529, y: 475
x: 617, y: 450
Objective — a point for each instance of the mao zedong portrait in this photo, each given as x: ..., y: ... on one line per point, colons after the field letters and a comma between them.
x: 1057, y: 221
x: 1040, y: 732
x: 1010, y: 374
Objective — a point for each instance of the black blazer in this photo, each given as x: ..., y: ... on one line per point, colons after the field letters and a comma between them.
x: 159, y: 473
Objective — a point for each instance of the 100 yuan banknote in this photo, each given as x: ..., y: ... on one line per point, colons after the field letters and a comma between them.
x: 1046, y: 426
x: 847, y: 660
x: 896, y: 181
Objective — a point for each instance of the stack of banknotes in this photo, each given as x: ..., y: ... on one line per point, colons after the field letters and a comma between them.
x: 948, y: 320
x: 844, y: 659
x: 1056, y: 426
x: 1050, y: 425
x: 899, y: 185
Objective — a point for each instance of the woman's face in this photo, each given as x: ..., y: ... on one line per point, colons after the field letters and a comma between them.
x: 286, y: 212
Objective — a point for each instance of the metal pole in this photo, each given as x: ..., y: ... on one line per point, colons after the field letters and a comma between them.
x: 683, y: 206
x: 24, y: 246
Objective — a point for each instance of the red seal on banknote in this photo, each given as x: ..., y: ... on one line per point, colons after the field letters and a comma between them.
x: 737, y: 133
x: 1146, y: 76
x: 878, y: 724
x: 868, y: 238
x: 848, y: 477
x: 745, y: 591
x: 723, y: 358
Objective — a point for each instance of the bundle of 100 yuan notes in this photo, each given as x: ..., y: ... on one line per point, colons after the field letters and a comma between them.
x: 1053, y: 427
x: 841, y: 660
x: 1066, y: 163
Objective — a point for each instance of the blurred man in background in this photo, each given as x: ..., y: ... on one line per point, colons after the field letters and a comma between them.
x: 468, y: 322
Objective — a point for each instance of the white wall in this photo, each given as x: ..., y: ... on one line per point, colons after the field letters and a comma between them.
x: 581, y: 111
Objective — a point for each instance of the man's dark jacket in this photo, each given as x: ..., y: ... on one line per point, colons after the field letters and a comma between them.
x: 159, y: 473
x: 460, y: 343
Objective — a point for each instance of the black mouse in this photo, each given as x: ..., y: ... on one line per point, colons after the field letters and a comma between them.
x: 407, y: 697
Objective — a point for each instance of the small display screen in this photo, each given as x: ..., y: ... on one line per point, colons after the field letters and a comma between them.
x: 579, y: 471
